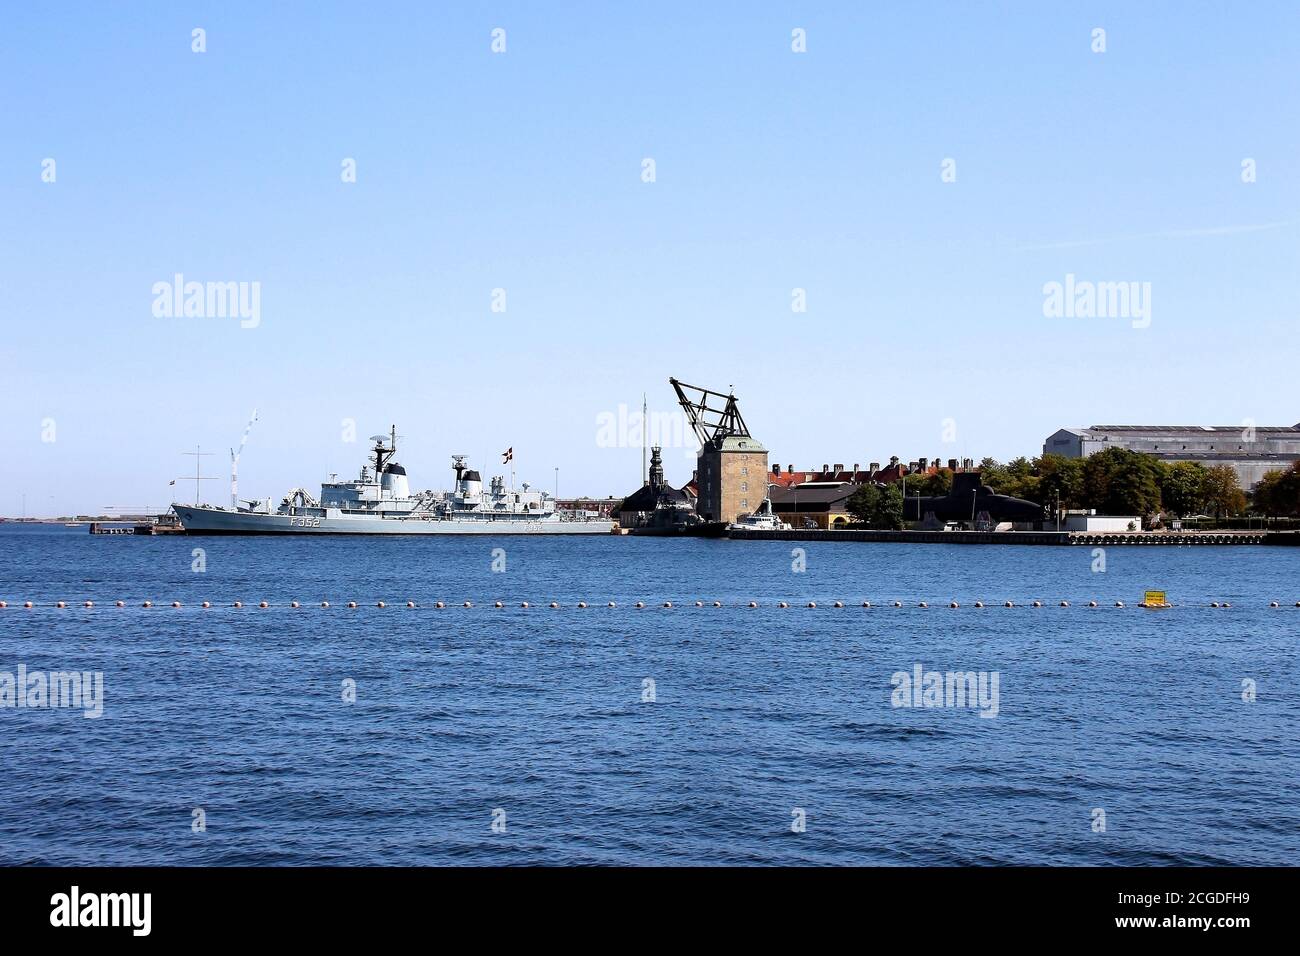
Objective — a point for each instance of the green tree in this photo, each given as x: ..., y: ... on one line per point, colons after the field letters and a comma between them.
x: 1182, y: 487
x: 1119, y: 482
x: 1278, y: 492
x: 878, y: 507
x: 889, y: 509
x: 862, y: 504
x: 1221, y: 492
x: 940, y: 483
x: 1059, y: 479
x: 994, y: 474
x: 937, y: 484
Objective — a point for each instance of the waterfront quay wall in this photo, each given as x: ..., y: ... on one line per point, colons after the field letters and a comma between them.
x: 1059, y: 538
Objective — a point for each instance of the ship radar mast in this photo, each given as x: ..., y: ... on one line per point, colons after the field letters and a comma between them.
x: 383, y: 454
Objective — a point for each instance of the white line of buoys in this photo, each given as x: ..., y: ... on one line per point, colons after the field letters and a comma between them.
x: 641, y: 604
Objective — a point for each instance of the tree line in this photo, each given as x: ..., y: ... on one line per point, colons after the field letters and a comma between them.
x: 1116, y: 481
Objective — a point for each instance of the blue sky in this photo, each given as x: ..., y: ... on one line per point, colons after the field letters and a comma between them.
x: 522, y: 171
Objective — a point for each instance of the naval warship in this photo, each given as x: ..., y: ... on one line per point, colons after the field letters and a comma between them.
x: 379, y: 501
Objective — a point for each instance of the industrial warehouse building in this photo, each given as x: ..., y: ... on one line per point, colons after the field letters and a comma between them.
x: 1251, y: 451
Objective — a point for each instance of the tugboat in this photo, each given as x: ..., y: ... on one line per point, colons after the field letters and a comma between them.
x: 379, y: 501
x: 764, y: 519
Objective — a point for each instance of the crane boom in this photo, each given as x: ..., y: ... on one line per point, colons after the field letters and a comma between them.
x: 712, y: 414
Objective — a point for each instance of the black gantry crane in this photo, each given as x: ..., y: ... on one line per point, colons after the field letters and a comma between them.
x: 712, y: 414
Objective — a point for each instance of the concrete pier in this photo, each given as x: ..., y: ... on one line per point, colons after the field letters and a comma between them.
x: 1059, y: 538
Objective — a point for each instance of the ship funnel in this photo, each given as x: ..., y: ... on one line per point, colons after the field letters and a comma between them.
x: 394, y: 482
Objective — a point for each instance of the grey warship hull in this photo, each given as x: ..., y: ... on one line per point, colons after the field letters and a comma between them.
x: 198, y: 519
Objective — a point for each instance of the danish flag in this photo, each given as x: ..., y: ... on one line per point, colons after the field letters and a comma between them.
x: 508, y: 455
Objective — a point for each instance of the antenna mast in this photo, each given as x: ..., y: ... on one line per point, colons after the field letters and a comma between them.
x: 199, y: 454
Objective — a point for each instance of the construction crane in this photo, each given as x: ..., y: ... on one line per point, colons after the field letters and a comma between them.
x: 234, y: 463
x: 712, y: 414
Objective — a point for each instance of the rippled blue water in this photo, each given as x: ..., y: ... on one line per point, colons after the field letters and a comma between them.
x: 539, y: 712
